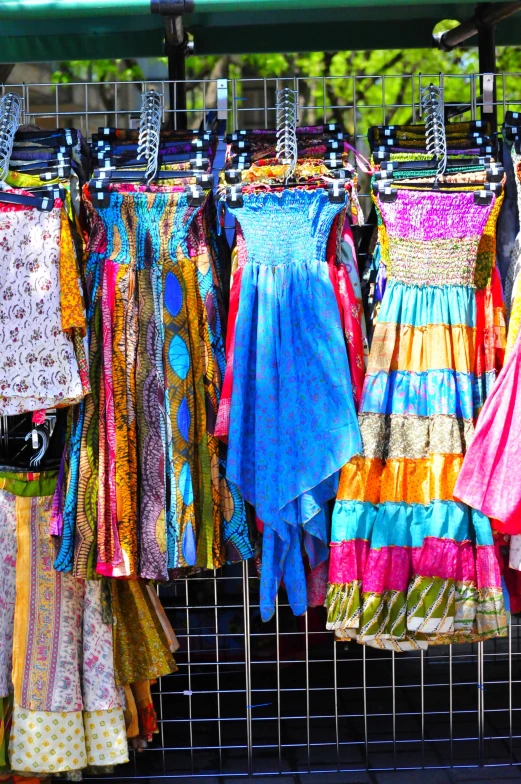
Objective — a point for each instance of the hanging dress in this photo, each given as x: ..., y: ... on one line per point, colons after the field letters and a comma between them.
x: 409, y: 564
x: 292, y: 417
x: 486, y: 481
x: 38, y: 367
x: 146, y: 493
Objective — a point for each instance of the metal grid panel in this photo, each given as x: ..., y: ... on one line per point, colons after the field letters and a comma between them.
x: 254, y: 699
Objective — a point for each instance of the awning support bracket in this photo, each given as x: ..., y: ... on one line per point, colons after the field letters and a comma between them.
x: 483, y: 23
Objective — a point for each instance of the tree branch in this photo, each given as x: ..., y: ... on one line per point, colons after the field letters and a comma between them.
x: 330, y: 91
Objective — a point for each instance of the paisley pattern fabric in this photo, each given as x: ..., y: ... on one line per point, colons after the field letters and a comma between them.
x: 410, y: 565
x: 67, y: 710
x: 285, y: 407
x: 38, y: 369
x: 48, y: 615
x: 77, y: 550
x: 184, y: 392
x: 350, y: 308
x: 232, y: 543
x: 71, y: 289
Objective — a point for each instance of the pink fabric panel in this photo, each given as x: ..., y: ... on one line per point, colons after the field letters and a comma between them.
x: 387, y: 569
x: 437, y: 557
x: 465, y: 563
x: 487, y: 567
x: 316, y: 582
x: 495, y: 450
x: 347, y: 561
x: 222, y: 424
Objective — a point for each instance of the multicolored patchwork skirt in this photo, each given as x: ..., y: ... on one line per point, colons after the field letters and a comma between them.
x: 410, y: 565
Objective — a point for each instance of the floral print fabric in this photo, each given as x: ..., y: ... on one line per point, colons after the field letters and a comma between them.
x: 60, y: 722
x: 38, y: 367
x: 8, y: 549
x: 99, y: 687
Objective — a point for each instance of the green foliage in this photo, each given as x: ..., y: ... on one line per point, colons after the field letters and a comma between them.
x: 97, y: 71
x: 329, y: 83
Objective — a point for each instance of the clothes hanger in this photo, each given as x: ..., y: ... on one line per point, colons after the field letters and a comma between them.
x: 65, y: 136
x: 312, y: 130
x: 482, y: 196
x: 41, y: 203
x: 37, y: 167
x: 111, y: 165
x: 26, y: 445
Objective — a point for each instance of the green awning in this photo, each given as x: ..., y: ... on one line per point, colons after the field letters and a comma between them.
x: 43, y: 30
x: 371, y: 25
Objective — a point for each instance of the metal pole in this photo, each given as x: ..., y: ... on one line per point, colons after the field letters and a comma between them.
x: 487, y: 15
x: 175, y: 47
x: 487, y: 69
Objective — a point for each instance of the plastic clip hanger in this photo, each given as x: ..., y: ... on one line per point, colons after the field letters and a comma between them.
x: 336, y: 192
x: 41, y: 203
x: 234, y: 197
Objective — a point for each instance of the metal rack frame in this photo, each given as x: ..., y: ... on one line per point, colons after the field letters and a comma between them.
x: 282, y: 698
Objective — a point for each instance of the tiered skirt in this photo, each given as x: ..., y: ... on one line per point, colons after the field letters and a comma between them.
x: 410, y: 565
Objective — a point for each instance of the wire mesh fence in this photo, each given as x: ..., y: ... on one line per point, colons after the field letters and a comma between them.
x: 268, y: 699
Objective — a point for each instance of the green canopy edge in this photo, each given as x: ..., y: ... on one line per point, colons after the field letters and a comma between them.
x: 47, y: 30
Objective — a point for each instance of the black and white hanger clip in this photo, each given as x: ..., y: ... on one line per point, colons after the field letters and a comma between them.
x: 385, y: 192
x: 335, y: 145
x: 234, y: 197
x: 495, y: 173
x: 195, y: 195
x: 241, y: 146
x: 384, y: 174
x: 204, y: 180
x: 235, y: 136
x: 336, y: 192
x: 63, y: 172
x: 333, y: 161
x: 483, y: 198
x: 233, y: 176
x: 342, y: 174
x: 199, y: 162
x: 100, y: 198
